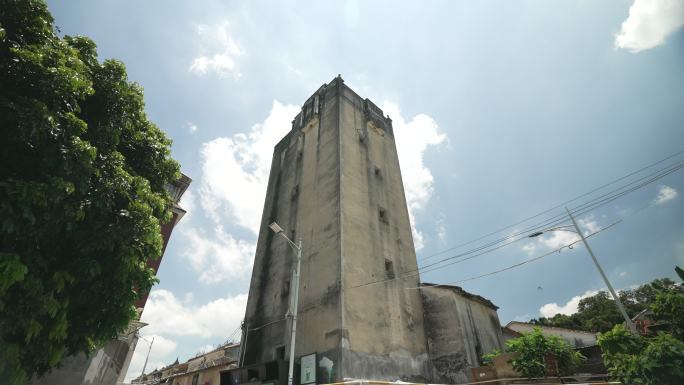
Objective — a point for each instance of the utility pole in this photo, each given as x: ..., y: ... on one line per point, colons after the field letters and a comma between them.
x: 146, y: 358
x: 293, y: 311
x: 616, y: 298
x: 294, y: 296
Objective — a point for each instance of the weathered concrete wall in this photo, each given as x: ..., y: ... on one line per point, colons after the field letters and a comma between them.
x: 303, y: 197
x: 207, y: 376
x: 335, y: 182
x: 460, y: 328
x: 384, y: 321
x: 103, y: 367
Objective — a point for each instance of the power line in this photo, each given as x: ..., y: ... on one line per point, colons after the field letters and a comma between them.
x: 234, y: 334
x: 578, y: 210
x: 560, y: 205
x: 558, y: 250
x: 266, y: 324
x: 585, y: 208
x: 550, y: 222
x: 660, y: 175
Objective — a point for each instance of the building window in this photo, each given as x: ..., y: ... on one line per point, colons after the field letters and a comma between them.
x: 286, y: 288
x: 280, y: 353
x: 382, y: 215
x: 271, y: 371
x: 377, y: 172
x: 252, y: 375
x: 389, y: 269
x: 195, y: 378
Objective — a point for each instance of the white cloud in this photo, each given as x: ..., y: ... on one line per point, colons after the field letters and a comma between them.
x: 413, y: 138
x: 187, y: 203
x: 160, y: 353
x: 649, y: 23
x: 570, y: 307
x: 232, y: 188
x: 551, y: 240
x: 235, y: 169
x: 530, y: 248
x: 206, y: 348
x: 665, y: 194
x: 623, y: 274
x: 244, y: 160
x: 219, y: 52
x: 192, y: 127
x: 217, y: 256
x: 441, y: 230
x: 168, y: 315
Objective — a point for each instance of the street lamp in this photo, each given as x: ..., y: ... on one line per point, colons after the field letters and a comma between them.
x: 147, y: 357
x: 628, y: 320
x: 294, y: 295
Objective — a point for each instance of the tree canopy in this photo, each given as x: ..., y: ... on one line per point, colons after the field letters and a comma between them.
x: 598, y: 313
x: 533, y: 347
x: 82, y: 193
x: 656, y: 358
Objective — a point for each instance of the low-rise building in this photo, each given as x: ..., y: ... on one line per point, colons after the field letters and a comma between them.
x: 461, y: 327
x: 576, y: 338
x: 210, y: 368
x: 583, y: 341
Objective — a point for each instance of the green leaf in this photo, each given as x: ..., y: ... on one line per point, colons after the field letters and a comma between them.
x: 76, y: 149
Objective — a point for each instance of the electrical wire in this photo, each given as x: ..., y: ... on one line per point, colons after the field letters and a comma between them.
x: 554, y: 221
x: 234, y: 334
x: 585, y: 208
x: 561, y: 218
x: 560, y: 205
x: 558, y: 250
x: 266, y: 324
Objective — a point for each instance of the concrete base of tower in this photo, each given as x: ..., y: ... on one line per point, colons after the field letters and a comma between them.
x: 396, y: 366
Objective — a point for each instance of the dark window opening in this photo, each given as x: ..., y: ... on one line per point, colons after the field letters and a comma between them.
x: 389, y: 269
x: 286, y: 288
x: 252, y: 374
x: 195, y: 378
x: 378, y: 172
x: 271, y: 371
x: 382, y: 214
x: 225, y: 378
x: 280, y: 353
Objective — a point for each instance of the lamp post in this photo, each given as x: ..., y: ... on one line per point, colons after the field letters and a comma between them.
x: 147, y: 357
x: 294, y: 295
x: 616, y: 298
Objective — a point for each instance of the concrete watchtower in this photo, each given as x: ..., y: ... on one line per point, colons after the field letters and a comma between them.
x: 335, y: 183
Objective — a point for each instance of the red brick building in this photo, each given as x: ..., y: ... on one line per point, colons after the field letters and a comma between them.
x: 176, y: 189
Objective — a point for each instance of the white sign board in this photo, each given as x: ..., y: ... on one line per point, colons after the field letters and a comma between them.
x: 308, y: 366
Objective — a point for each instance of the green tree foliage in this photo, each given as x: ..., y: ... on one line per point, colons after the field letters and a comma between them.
x: 668, y: 311
x: 650, y: 360
x: 82, y: 193
x: 598, y: 313
x: 633, y: 359
x: 533, y: 347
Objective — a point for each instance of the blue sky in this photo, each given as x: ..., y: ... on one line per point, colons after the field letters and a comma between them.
x: 502, y: 110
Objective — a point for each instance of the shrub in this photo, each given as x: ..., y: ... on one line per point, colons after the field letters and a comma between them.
x: 633, y: 359
x: 533, y: 347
